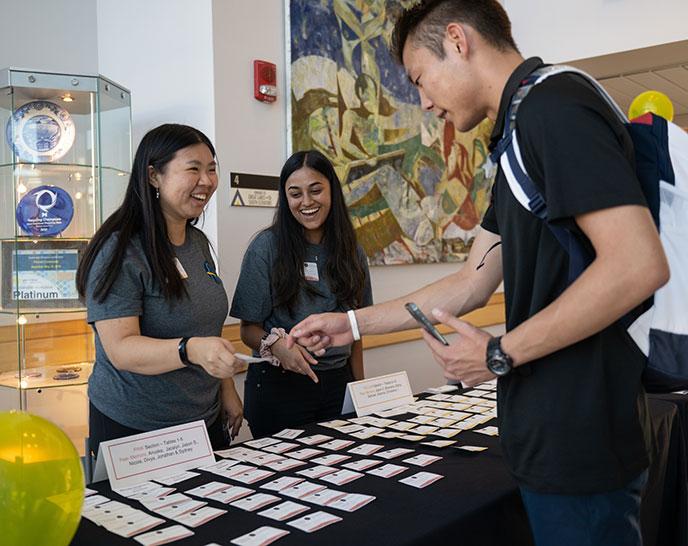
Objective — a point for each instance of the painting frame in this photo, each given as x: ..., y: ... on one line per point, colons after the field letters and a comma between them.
x: 427, y: 205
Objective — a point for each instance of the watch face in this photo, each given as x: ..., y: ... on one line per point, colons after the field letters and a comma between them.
x: 499, y: 366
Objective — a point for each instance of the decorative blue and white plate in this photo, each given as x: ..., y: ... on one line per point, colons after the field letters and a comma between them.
x: 45, y: 211
x: 40, y: 131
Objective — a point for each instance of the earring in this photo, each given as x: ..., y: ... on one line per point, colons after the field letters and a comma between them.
x: 157, y: 193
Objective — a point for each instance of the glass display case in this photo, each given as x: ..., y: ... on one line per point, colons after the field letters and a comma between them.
x: 65, y: 156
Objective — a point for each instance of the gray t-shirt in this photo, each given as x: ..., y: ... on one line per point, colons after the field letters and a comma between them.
x: 148, y: 402
x: 254, y: 299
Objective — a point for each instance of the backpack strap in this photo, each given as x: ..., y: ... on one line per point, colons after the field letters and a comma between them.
x: 507, y: 155
x: 541, y: 74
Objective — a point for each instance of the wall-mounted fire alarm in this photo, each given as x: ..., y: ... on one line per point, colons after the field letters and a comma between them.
x: 265, y: 81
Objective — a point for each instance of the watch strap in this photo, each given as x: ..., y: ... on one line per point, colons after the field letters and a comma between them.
x: 494, y: 344
x: 181, y: 349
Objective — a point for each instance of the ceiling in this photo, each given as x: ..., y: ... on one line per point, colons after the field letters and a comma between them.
x: 627, y: 74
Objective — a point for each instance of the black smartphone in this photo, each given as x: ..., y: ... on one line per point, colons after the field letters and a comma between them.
x: 425, y: 323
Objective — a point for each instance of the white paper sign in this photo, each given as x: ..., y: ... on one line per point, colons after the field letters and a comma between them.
x: 377, y: 394
x: 158, y: 453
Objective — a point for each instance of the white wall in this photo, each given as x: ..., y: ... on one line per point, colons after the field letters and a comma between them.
x: 250, y: 135
x: 49, y: 36
x: 567, y: 30
x: 162, y: 50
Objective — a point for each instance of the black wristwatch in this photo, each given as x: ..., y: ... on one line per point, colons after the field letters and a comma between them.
x: 181, y: 348
x: 498, y: 362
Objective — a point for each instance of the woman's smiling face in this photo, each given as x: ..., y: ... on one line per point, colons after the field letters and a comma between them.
x: 187, y: 183
x: 310, y: 199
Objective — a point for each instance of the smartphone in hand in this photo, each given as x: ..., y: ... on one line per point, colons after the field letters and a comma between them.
x: 425, y: 323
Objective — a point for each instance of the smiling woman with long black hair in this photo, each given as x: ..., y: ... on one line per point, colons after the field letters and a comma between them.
x: 155, y: 302
x: 307, y: 261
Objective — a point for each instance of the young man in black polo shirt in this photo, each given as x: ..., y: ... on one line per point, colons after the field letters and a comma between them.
x: 572, y: 410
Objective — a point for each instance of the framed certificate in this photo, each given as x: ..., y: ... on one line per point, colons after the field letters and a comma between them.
x: 40, y: 274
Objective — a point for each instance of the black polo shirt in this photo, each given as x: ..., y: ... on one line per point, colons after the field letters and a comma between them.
x: 574, y: 421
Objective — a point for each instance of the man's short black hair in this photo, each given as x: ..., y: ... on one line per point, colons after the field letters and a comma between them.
x: 426, y: 23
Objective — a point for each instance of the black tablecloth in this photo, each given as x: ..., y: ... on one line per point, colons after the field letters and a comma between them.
x: 477, y: 502
x: 664, y: 514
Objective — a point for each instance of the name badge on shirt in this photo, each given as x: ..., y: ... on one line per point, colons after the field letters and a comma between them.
x: 182, y: 272
x: 310, y: 271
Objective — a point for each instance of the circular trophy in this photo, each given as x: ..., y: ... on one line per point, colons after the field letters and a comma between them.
x: 45, y: 211
x: 40, y: 131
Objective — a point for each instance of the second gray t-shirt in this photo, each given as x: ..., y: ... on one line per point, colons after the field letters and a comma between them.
x: 254, y: 298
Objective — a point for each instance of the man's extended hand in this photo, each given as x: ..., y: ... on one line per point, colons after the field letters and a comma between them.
x: 464, y: 358
x: 318, y: 332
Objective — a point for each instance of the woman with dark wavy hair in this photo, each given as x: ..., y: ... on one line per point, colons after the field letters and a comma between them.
x: 154, y: 300
x: 307, y: 261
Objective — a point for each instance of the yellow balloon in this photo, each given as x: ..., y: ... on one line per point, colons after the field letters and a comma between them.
x: 41, y: 482
x: 652, y: 101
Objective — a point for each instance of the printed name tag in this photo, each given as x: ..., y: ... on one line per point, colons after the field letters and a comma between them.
x: 310, y: 271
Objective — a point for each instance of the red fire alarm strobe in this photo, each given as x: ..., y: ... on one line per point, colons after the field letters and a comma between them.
x: 265, y: 81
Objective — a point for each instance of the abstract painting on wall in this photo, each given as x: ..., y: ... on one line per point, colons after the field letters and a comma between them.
x: 413, y: 184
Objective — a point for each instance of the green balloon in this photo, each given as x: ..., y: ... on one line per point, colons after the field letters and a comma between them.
x: 41, y: 482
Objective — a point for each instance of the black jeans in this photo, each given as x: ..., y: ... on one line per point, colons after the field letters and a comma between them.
x: 101, y: 429
x: 275, y: 399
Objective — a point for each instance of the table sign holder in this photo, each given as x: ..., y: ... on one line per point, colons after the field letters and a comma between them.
x: 377, y: 394
x: 135, y: 459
